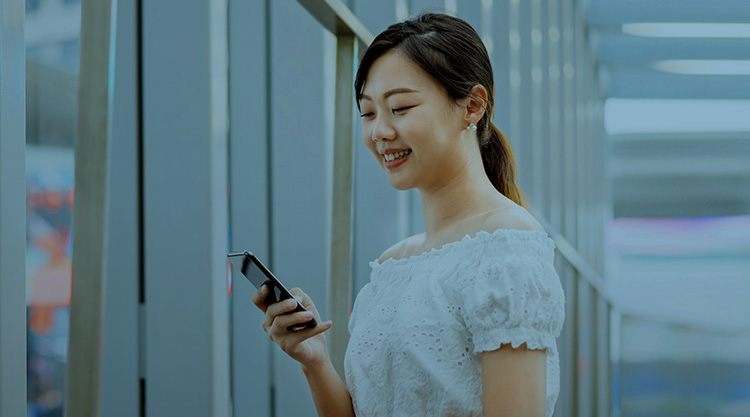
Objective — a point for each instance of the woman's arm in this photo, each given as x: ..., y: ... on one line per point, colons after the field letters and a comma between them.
x: 514, y: 382
x: 328, y: 391
x: 308, y: 347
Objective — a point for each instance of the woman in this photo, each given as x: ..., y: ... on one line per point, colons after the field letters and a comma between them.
x: 460, y: 320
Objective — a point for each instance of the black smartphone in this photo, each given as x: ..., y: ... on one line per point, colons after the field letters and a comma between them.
x: 258, y: 274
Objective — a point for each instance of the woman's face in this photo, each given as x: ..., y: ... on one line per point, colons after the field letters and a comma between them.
x: 407, y: 115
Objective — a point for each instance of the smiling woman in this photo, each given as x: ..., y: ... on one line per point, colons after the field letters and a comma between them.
x: 460, y: 320
x: 444, y: 57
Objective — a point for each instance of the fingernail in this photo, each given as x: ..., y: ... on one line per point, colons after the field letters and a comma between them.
x: 298, y: 298
x: 291, y: 303
x: 307, y: 314
x: 263, y: 289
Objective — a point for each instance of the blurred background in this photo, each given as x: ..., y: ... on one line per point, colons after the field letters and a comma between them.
x: 630, y: 120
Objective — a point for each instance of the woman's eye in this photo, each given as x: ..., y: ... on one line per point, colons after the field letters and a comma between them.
x: 366, y: 115
x: 401, y: 109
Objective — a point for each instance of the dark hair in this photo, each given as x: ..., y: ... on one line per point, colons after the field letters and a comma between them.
x: 452, y: 52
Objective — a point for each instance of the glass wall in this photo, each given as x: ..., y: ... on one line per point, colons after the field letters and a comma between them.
x: 549, y: 104
x: 171, y: 176
x: 52, y: 55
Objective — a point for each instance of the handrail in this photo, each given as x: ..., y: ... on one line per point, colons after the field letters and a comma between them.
x: 592, y: 278
x: 741, y: 331
x: 571, y: 255
x: 338, y: 19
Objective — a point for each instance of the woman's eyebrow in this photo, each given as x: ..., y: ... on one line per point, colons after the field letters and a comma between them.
x: 392, y: 92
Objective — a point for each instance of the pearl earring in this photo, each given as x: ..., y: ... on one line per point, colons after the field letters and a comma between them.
x: 471, y: 126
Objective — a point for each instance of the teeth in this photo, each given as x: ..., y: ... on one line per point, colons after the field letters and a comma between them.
x: 397, y: 155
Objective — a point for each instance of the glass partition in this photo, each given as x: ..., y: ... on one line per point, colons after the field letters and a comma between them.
x: 52, y: 59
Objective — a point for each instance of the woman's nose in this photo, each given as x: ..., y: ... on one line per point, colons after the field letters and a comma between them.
x: 382, y: 130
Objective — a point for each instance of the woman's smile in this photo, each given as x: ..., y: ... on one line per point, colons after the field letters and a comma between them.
x: 405, y: 111
x: 392, y: 160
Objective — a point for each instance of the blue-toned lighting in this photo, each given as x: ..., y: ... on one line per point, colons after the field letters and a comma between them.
x: 704, y: 67
x: 661, y: 115
x: 688, y: 30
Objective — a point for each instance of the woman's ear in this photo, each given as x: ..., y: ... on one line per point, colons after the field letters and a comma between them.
x: 475, y: 103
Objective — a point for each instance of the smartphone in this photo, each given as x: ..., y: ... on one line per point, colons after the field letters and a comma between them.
x: 258, y: 274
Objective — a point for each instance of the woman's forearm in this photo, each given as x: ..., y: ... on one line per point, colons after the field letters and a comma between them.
x: 328, y: 391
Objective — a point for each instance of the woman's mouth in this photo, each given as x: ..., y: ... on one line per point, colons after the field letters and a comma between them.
x: 395, y: 159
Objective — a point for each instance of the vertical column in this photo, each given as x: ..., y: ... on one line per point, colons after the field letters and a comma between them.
x: 603, y: 374
x: 538, y: 121
x: 599, y: 176
x: 583, y: 163
x: 120, y: 361
x: 576, y: 287
x: 524, y: 143
x: 587, y: 156
x: 555, y: 116
x: 90, y: 216
x: 339, y: 285
x: 12, y: 211
x: 486, y: 27
x: 567, y: 343
x: 250, y: 216
x: 595, y: 174
x: 568, y: 227
x: 572, y: 280
x: 514, y: 88
x: 501, y: 63
x: 615, y: 361
x: 299, y: 168
x: 185, y: 208
x: 587, y: 349
x: 605, y: 212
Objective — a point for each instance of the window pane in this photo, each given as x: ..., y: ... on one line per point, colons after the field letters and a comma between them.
x: 52, y: 54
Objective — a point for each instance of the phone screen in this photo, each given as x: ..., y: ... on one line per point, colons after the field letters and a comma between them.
x: 258, y: 274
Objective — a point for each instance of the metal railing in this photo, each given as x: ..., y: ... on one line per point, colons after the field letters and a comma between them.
x: 587, y: 282
x: 351, y: 35
x: 90, y: 217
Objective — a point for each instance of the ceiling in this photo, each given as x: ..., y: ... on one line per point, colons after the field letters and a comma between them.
x: 673, y: 174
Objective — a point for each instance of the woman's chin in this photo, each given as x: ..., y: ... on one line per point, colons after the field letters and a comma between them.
x: 399, y: 184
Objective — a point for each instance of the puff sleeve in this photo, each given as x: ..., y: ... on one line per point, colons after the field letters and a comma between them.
x: 512, y: 299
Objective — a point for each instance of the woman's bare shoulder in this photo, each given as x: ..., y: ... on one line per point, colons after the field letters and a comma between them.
x: 515, y: 217
x: 400, y: 249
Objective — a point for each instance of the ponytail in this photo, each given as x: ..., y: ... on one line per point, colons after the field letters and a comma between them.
x: 499, y: 163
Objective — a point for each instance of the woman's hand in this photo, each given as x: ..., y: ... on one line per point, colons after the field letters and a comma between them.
x: 307, y: 346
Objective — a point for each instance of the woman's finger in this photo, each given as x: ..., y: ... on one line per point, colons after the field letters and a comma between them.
x: 302, y: 335
x: 287, y: 339
x: 303, y: 298
x: 275, y: 310
x: 288, y: 320
x: 259, y: 298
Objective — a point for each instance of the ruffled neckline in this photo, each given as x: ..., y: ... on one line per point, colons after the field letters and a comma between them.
x: 513, y: 235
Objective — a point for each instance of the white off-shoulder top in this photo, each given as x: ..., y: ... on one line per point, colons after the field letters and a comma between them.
x: 418, y: 328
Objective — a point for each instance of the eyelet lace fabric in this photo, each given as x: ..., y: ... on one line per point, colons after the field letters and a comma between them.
x: 418, y: 328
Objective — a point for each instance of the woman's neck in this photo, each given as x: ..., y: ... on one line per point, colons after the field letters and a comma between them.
x: 457, y: 198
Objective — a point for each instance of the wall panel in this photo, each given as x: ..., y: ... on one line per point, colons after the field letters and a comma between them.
x: 299, y: 218
x: 250, y: 217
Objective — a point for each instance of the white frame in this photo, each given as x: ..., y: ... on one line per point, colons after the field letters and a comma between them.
x: 12, y: 210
